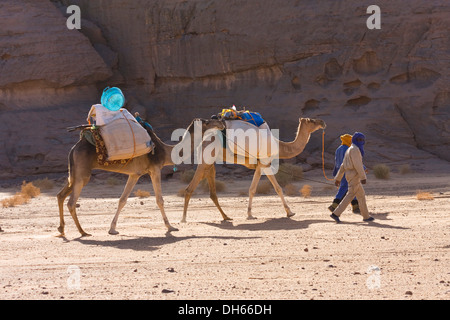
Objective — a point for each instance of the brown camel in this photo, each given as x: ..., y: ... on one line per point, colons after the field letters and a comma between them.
x: 287, y: 150
x: 82, y: 160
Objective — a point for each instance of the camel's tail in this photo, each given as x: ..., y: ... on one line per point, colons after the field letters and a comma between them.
x: 71, y: 166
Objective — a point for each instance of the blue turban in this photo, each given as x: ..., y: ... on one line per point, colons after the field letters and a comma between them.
x: 359, y: 140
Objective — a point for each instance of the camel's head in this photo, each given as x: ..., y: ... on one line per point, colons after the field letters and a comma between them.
x: 212, y: 124
x: 313, y: 124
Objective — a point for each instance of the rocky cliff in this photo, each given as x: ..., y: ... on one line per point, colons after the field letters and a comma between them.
x: 177, y: 60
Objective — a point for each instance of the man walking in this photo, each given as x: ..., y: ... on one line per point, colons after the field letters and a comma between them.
x: 353, y: 168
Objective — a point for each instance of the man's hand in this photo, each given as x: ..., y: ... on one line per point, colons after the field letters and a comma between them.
x: 363, y: 181
x: 337, y: 183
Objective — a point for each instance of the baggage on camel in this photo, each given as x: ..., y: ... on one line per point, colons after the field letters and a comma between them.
x: 124, y: 137
x: 248, y: 116
x: 248, y: 135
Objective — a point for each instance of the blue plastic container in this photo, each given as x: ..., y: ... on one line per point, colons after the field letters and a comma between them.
x: 113, y: 98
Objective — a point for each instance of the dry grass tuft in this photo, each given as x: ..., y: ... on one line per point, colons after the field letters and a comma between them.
x: 382, y: 171
x: 290, y: 190
x: 243, y: 193
x: 44, y: 184
x: 187, y: 175
x: 27, y: 192
x: 220, y: 185
x: 405, y: 169
x: 264, y: 187
x: 421, y: 195
x: 15, y: 200
x: 142, y: 194
x: 112, y: 181
x: 306, y: 191
x: 288, y: 173
x: 181, y: 193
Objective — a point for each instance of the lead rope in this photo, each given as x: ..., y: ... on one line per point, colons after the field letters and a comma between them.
x: 323, y: 158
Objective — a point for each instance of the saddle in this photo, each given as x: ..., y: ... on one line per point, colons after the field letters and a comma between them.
x: 120, y: 137
x: 251, y: 117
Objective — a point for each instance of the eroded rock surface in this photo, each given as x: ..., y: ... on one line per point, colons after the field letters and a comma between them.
x: 177, y: 60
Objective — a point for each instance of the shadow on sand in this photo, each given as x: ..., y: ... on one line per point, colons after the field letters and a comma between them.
x: 267, y: 224
x: 149, y: 243
x: 291, y: 224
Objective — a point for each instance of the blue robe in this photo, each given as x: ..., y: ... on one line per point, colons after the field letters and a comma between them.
x: 338, y: 158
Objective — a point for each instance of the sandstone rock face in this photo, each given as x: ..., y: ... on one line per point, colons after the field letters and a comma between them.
x: 180, y: 59
x: 46, y: 72
x: 35, y: 47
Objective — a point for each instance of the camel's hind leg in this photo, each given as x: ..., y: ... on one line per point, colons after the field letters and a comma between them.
x: 77, y: 186
x: 198, y: 176
x: 132, y: 180
x: 252, y: 191
x: 62, y: 195
x: 155, y: 175
x: 211, y: 177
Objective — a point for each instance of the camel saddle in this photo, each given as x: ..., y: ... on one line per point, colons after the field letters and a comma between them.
x: 117, y: 135
x: 247, y: 140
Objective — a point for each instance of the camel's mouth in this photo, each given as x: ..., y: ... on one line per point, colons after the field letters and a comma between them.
x: 320, y: 123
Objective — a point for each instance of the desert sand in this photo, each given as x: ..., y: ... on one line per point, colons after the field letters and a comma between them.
x: 403, y: 254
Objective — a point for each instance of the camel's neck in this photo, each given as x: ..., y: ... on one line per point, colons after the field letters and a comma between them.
x: 182, y: 145
x: 291, y: 149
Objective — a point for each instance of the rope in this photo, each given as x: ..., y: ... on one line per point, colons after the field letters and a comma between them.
x: 323, y: 158
x: 290, y: 173
x: 134, y: 140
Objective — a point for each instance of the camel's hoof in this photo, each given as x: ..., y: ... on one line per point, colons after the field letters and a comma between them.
x: 251, y: 217
x: 290, y: 214
x: 113, y: 232
x: 84, y: 234
x: 227, y: 219
x: 183, y: 221
x: 170, y: 229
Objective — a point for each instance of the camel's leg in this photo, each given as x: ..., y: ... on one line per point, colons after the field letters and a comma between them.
x: 252, y: 191
x: 62, y: 195
x: 279, y: 191
x: 198, y: 176
x: 77, y: 186
x: 155, y: 175
x: 211, y: 177
x: 132, y: 180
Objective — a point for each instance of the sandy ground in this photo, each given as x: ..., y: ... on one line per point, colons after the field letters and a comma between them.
x: 404, y: 254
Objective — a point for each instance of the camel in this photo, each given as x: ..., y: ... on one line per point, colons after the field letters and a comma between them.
x: 82, y: 160
x: 287, y: 150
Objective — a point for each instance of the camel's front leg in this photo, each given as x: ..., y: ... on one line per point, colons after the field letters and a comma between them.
x: 155, y: 175
x: 279, y: 191
x: 252, y: 191
x: 132, y: 180
x: 198, y: 176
